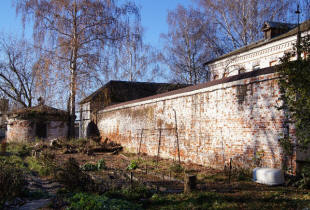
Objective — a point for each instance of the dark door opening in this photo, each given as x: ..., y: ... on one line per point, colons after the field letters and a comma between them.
x: 41, y: 130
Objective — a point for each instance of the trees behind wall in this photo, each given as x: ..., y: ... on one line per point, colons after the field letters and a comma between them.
x: 134, y: 60
x: 197, y: 35
x: 74, y: 34
x: 187, y: 46
x: 239, y: 23
x: 18, y: 71
x: 84, y: 42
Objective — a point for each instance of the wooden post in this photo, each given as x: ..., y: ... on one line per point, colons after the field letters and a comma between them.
x: 170, y: 175
x: 141, y: 135
x: 189, y: 183
x: 159, y: 142
x: 229, y: 174
x: 131, y: 175
x: 145, y: 168
x: 177, y: 135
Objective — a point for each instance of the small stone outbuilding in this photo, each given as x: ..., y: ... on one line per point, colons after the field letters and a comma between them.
x: 38, y: 122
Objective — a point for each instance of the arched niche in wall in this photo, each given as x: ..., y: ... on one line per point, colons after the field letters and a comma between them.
x: 241, y: 70
x: 41, y: 130
x: 92, y: 130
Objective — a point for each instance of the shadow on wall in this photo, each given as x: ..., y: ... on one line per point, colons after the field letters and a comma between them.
x: 266, y: 153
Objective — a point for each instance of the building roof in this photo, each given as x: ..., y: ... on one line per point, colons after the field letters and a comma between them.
x: 40, y: 110
x: 303, y: 27
x: 143, y: 89
x: 280, y: 25
x: 254, y: 73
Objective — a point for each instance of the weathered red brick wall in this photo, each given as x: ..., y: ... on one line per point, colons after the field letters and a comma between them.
x: 20, y: 130
x: 237, y: 119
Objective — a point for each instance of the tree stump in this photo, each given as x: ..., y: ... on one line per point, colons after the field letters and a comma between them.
x: 189, y: 183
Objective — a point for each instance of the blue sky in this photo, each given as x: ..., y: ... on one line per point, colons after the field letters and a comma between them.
x: 154, y: 14
x: 153, y: 17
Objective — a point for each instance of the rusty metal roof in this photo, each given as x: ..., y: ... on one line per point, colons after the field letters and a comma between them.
x: 280, y: 25
x: 141, y: 89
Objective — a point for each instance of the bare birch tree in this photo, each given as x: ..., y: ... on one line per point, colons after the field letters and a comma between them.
x: 188, y: 45
x: 76, y: 32
x: 239, y: 22
x: 17, y: 71
x: 134, y: 60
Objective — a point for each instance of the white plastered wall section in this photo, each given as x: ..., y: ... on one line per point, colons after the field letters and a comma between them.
x: 85, y: 119
x: 259, y: 57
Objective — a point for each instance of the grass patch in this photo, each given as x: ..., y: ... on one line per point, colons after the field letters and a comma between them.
x: 73, y: 178
x: 101, y: 164
x: 17, y: 161
x: 37, y: 165
x: 89, y: 167
x: 240, y: 200
x: 135, y: 194
x: 87, y: 201
x: 133, y: 165
x: 19, y: 149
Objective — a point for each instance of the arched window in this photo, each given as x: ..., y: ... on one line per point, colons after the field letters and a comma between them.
x: 273, y: 63
x: 225, y: 74
x: 241, y: 70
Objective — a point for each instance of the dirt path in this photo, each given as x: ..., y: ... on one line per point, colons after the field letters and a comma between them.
x: 46, y: 187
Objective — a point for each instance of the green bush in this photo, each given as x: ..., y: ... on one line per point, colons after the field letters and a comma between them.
x: 12, y: 181
x: 95, y: 202
x: 44, y: 165
x: 132, y: 194
x: 89, y: 167
x: 242, y: 174
x: 72, y: 177
x: 19, y: 149
x: 305, y: 180
x: 176, y: 168
x: 133, y: 165
x: 14, y: 160
x: 101, y: 164
x: 78, y: 144
x: 35, y: 164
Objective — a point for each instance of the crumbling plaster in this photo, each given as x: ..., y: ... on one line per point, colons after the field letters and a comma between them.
x: 231, y: 120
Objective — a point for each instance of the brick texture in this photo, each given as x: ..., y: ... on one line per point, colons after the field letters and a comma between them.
x: 25, y: 130
x: 236, y: 119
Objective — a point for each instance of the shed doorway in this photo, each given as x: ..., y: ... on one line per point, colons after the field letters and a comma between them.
x: 41, y: 130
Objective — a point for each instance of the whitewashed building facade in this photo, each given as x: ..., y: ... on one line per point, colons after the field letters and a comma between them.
x: 279, y: 38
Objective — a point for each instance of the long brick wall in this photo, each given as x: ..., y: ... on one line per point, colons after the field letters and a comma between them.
x: 236, y: 117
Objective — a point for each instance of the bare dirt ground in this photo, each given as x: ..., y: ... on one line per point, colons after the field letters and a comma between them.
x: 165, y: 179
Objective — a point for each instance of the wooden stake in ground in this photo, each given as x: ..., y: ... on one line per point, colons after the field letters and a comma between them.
x: 189, y: 183
x: 145, y: 168
x: 159, y: 142
x: 229, y: 175
x: 131, y: 181
x: 141, y: 136
x: 177, y: 135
